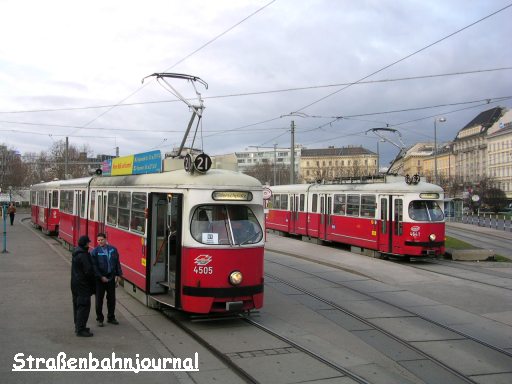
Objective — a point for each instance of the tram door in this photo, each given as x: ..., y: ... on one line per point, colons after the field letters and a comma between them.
x: 102, y: 210
x: 294, y: 213
x: 325, y: 216
x: 391, y: 223
x: 166, y: 228
x: 47, y: 210
x: 76, y: 216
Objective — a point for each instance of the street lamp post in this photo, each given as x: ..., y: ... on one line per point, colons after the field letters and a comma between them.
x: 441, y: 120
x: 275, y: 162
x: 378, y: 155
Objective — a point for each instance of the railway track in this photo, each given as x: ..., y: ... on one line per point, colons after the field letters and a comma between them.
x: 251, y: 371
x: 445, y: 370
x: 488, y: 277
x: 408, y: 312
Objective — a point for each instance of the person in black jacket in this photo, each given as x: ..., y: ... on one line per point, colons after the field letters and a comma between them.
x: 82, y: 286
x: 107, y: 269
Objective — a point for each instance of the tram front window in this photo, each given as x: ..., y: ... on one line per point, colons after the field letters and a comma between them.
x: 425, y: 210
x: 225, y: 225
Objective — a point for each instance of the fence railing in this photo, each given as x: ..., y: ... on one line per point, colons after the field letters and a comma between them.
x: 488, y: 220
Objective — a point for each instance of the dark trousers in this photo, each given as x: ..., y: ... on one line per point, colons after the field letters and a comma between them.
x: 110, y: 289
x: 11, y: 216
x: 81, y: 310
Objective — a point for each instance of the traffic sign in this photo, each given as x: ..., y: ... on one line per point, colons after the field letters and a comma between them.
x: 267, y: 193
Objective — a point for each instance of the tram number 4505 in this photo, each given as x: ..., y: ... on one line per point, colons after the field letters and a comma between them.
x: 203, y: 270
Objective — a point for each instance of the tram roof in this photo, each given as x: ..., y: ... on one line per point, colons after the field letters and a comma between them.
x: 180, y: 179
x: 388, y: 187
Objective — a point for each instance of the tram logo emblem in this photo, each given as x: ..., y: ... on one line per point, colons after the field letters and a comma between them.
x: 415, y: 231
x: 202, y: 259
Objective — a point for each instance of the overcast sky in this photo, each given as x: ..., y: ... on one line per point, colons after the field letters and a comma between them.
x: 74, y: 68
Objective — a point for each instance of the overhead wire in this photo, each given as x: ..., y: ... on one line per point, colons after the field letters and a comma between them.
x: 256, y: 93
x: 404, y: 58
x: 178, y: 62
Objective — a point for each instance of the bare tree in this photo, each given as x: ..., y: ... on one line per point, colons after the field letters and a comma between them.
x: 265, y: 173
x: 11, y: 169
x: 76, y: 161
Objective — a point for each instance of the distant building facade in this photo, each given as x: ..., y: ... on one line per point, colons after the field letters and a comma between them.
x: 260, y: 156
x: 470, y: 145
x: 332, y: 163
x: 445, y: 164
x: 499, y: 158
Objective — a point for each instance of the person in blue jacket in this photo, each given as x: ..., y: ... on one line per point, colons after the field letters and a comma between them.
x: 107, y: 269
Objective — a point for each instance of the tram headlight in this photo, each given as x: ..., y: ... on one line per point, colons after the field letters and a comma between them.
x: 432, y: 237
x: 235, y: 278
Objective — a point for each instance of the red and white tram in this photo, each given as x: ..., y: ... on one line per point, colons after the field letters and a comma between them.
x: 387, y: 217
x: 44, y: 202
x: 191, y: 241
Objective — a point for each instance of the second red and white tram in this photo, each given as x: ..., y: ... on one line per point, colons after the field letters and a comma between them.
x: 388, y: 217
x: 190, y: 241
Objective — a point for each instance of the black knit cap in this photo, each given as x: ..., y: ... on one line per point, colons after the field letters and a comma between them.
x: 83, y: 241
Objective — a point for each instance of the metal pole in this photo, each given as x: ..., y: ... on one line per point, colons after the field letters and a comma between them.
x: 292, y: 155
x: 378, y: 158
x: 441, y: 120
x: 275, y: 161
x: 66, y: 154
x: 435, y: 151
x: 4, y: 214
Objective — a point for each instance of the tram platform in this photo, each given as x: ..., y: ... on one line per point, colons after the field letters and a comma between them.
x: 37, y: 320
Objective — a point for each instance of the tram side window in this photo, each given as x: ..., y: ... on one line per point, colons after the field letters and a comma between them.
x: 83, y: 197
x: 353, y: 203
x: 40, y: 198
x: 368, y: 205
x: 66, y: 201
x: 314, y: 203
x: 124, y: 210
x: 284, y: 202
x: 93, y: 205
x: 55, y: 199
x: 112, y: 208
x: 340, y: 204
x: 138, y: 223
x: 33, y: 196
x: 301, y: 202
x: 276, y: 201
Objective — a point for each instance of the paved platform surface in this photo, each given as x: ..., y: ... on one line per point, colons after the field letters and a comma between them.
x: 36, y: 312
x: 36, y: 319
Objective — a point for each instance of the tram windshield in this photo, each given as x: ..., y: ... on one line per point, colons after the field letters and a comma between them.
x: 425, y: 210
x: 225, y: 225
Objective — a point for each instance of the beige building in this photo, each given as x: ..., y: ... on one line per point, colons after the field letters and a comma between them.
x: 334, y: 163
x: 470, y: 145
x: 499, y: 158
x: 445, y: 165
x: 411, y: 162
